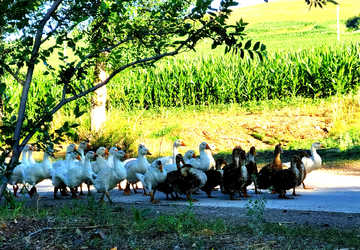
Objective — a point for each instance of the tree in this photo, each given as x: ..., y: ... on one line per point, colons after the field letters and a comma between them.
x: 130, y: 32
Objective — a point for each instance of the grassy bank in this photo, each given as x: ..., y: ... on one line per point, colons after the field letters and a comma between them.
x: 90, y: 225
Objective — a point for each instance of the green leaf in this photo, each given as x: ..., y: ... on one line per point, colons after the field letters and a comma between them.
x: 256, y: 46
x: 59, y: 40
x: 247, y: 44
x: 242, y: 54
x: 2, y: 88
x: 251, y: 54
x: 263, y: 47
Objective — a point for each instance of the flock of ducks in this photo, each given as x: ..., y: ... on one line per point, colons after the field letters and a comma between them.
x: 172, y: 175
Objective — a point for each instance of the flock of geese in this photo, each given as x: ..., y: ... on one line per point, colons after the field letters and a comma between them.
x: 172, y: 175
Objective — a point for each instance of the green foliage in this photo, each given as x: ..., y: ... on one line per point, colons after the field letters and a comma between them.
x: 139, y: 215
x: 255, y: 212
x: 258, y: 135
x: 353, y: 23
x: 11, y: 206
x: 164, y: 132
x: 317, y: 73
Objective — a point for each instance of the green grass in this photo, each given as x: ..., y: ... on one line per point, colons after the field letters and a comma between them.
x: 93, y: 225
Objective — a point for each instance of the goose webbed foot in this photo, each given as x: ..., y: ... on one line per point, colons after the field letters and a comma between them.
x: 209, y: 194
x: 233, y: 199
x: 127, y: 189
x: 283, y: 196
x: 305, y: 187
x: 189, y: 198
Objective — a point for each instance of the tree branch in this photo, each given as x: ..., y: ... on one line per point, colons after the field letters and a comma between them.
x: 115, y: 46
x: 26, y: 85
x: 114, y: 73
x: 8, y: 69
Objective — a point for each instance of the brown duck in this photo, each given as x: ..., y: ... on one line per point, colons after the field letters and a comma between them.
x: 262, y: 181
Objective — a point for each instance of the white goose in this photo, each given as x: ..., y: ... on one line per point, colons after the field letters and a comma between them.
x: 16, y: 177
x: 204, y: 162
x: 24, y: 159
x: 152, y: 178
x: 60, y: 172
x: 36, y: 173
x: 314, y: 162
x: 169, y: 159
x: 77, y: 174
x: 110, y: 158
x: 71, y: 147
x: 187, y: 156
x: 209, y: 153
x: 139, y: 165
x: 108, y: 178
x: 82, y: 146
x: 30, y: 156
x: 100, y: 162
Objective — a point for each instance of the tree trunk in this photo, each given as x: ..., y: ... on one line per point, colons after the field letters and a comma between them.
x: 98, y: 100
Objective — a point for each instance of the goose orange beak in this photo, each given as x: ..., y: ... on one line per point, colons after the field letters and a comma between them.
x: 183, y: 143
x: 75, y: 148
x: 207, y: 146
x: 78, y: 157
x: 95, y: 154
x: 30, y: 148
x: 194, y: 156
x: 106, y: 152
x: 161, y: 168
x: 148, y: 153
x: 88, y: 145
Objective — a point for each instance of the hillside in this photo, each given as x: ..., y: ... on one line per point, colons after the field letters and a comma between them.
x: 294, y: 10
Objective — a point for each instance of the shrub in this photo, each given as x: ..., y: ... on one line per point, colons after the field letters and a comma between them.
x: 353, y: 23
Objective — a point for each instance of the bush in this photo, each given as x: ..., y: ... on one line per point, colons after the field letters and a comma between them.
x: 353, y: 23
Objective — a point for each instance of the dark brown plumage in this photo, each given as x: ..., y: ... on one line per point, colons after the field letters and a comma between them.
x: 252, y: 170
x: 264, y: 174
x: 234, y: 179
x: 286, y: 179
x: 186, y: 179
x: 302, y: 171
x: 213, y: 177
x: 235, y: 159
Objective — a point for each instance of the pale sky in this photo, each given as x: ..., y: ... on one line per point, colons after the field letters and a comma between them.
x: 242, y: 3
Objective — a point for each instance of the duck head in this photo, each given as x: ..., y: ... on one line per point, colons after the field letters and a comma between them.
x: 119, y: 154
x: 204, y: 146
x: 159, y: 166
x: 179, y: 143
x: 278, y: 150
x: 113, y: 150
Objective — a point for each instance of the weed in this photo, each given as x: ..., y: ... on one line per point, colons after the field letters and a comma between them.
x: 139, y: 215
x: 255, y: 211
x: 164, y: 132
x: 12, y: 205
x: 258, y: 135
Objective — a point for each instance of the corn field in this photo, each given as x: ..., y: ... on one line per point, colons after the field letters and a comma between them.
x: 320, y: 72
